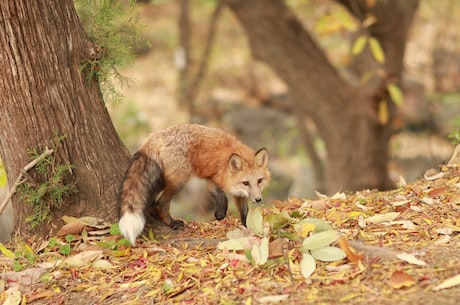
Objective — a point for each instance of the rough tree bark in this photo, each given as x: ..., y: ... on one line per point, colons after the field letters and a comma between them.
x: 345, y: 114
x: 42, y: 46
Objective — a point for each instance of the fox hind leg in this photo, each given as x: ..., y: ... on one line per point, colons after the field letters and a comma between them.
x: 162, y: 206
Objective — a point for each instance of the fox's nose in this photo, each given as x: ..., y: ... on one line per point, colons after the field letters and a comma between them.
x: 258, y: 200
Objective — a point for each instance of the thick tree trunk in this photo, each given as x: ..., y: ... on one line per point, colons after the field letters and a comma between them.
x: 42, y: 46
x: 346, y: 117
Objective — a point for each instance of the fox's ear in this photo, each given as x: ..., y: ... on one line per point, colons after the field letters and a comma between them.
x: 235, y: 162
x: 261, y: 157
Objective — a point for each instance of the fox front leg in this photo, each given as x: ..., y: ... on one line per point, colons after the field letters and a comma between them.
x: 219, y: 199
x: 242, y: 205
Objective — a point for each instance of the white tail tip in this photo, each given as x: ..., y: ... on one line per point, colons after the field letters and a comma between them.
x: 131, y: 225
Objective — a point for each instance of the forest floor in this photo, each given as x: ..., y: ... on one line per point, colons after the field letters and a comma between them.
x: 400, y: 247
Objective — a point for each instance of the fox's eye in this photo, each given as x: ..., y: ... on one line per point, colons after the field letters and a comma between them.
x: 246, y: 183
x: 260, y: 180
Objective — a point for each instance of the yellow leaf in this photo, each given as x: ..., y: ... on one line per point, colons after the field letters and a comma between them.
x: 396, y: 94
x: 358, y: 45
x: 376, y: 50
x: 354, y: 214
x: 6, y: 252
x: 349, y: 297
x: 383, y: 217
x: 3, y: 180
x: 344, y: 18
x: 303, y: 229
x: 383, y: 113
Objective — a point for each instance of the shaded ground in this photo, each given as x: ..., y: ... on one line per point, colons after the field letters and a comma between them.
x: 186, y: 267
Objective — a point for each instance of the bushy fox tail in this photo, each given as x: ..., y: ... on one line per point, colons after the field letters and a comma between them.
x: 142, y: 183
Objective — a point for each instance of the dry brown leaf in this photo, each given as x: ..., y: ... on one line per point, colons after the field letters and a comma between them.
x: 39, y: 295
x: 71, y: 228
x: 276, y: 248
x: 400, y: 279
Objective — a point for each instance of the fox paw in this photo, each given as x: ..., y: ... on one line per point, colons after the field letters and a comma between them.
x: 177, y: 224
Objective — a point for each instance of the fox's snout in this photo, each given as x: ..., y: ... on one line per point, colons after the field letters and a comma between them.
x: 255, y: 198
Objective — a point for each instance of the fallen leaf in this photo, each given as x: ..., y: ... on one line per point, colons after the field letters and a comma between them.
x: 72, y: 228
x: 432, y: 174
x: 328, y: 254
x: 379, y: 218
x: 444, y: 231
x: 303, y: 228
x: 450, y: 282
x: 83, y: 258
x: 307, y: 265
x: 259, y: 252
x: 436, y: 192
x: 13, y: 296
x: 276, y: 221
x: 410, y: 258
x: 352, y: 256
x: 39, y: 295
x: 350, y: 296
x: 254, y: 221
x: 6, y: 252
x: 276, y: 248
x: 102, y: 263
x: 319, y: 240
x: 235, y: 244
x: 400, y: 279
x: 273, y: 298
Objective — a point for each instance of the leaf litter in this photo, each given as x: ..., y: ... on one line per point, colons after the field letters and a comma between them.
x: 400, y: 246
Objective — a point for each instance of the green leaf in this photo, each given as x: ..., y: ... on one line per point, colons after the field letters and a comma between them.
x: 328, y: 254
x: 254, y: 221
x: 276, y: 221
x: 6, y: 252
x: 69, y: 238
x: 307, y: 265
x: 320, y: 225
x: 376, y: 50
x: 396, y: 94
x: 358, y: 45
x: 46, y: 277
x: 345, y: 19
x: 64, y: 249
x: 115, y: 229
x: 319, y: 240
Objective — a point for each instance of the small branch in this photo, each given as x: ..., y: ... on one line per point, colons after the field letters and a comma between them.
x: 19, y: 180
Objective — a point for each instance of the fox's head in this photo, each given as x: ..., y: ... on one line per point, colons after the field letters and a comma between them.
x: 248, y: 177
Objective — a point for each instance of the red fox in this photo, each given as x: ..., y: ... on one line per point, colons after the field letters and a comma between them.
x: 170, y: 157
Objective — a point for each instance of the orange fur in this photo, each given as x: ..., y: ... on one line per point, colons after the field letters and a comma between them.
x: 187, y: 150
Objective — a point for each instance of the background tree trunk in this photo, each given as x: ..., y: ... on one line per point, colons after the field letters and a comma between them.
x: 42, y: 46
x: 345, y: 114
